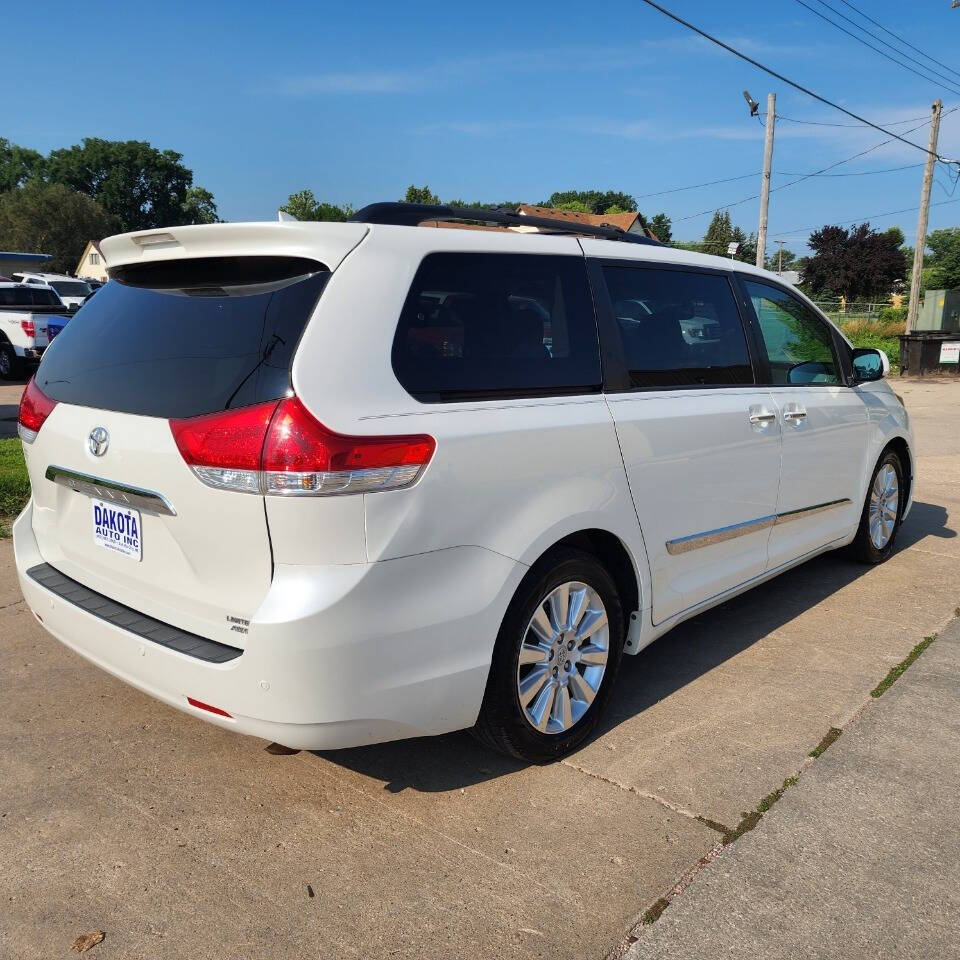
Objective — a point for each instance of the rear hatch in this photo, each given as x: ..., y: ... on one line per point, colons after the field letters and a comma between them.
x: 116, y: 505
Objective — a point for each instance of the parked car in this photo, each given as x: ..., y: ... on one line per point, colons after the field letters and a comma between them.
x: 26, y: 313
x: 71, y: 291
x: 332, y: 488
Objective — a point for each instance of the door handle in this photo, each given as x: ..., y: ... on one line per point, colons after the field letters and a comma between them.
x: 795, y: 414
x: 761, y: 415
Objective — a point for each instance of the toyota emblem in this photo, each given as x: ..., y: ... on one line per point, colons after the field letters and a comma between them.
x: 98, y: 441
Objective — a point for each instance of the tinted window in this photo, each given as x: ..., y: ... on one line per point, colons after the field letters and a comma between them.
x: 678, y: 329
x: 70, y: 288
x: 28, y: 296
x: 797, y: 341
x: 225, y: 339
x: 494, y: 324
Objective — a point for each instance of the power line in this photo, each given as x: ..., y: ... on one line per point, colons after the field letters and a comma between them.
x: 776, y: 173
x: 941, y: 82
x: 906, y: 43
x: 851, y: 126
x: 875, y: 216
x: 694, y: 186
x: 792, y: 83
x: 807, y: 176
x: 858, y: 173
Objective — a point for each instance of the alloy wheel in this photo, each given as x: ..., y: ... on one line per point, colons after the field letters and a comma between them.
x: 563, y: 657
x: 884, y: 505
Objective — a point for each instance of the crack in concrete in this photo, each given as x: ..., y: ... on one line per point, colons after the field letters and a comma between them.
x: 676, y: 808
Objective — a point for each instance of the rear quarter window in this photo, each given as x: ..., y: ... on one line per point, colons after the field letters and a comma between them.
x: 184, y: 339
x: 497, y: 325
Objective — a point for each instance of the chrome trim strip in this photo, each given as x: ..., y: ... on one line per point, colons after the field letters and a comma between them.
x: 803, y: 512
x: 121, y: 493
x: 697, y: 540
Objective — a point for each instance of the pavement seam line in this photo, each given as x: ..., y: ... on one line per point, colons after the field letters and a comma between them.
x: 429, y: 828
x: 652, y: 913
x: 675, y: 808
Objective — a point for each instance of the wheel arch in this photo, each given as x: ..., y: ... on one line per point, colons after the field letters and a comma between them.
x: 613, y: 553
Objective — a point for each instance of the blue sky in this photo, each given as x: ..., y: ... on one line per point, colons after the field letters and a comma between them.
x: 490, y: 101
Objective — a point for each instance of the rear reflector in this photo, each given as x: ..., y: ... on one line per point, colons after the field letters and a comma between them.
x: 35, y: 407
x: 28, y: 328
x: 280, y: 448
x: 200, y: 705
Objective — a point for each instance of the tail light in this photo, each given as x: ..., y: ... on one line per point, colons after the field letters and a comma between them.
x: 28, y: 328
x: 279, y: 448
x: 35, y: 407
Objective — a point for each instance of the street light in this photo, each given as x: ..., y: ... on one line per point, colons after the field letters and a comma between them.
x: 754, y: 106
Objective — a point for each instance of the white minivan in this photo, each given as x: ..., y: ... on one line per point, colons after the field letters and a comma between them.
x: 337, y: 483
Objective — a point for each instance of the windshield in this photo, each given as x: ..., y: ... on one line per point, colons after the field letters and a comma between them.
x: 71, y: 288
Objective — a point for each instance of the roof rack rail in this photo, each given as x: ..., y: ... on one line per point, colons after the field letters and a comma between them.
x: 413, y: 214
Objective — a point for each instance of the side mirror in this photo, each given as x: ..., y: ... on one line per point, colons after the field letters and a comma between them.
x: 869, y: 364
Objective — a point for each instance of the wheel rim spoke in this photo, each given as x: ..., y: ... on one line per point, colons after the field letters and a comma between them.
x: 530, y: 653
x: 543, y: 706
x: 541, y: 626
x: 594, y: 621
x: 559, y: 605
x: 593, y: 655
x: 581, y: 689
x: 532, y: 685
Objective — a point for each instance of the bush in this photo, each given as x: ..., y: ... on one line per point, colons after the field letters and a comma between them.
x: 866, y: 338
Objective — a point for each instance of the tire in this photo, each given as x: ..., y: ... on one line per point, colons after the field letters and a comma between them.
x: 567, y: 719
x: 877, y: 532
x: 9, y: 363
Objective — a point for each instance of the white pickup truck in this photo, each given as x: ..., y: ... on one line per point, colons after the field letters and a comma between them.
x: 25, y: 310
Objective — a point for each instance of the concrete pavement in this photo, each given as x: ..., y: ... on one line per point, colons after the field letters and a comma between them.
x: 181, y: 840
x: 860, y: 859
x: 9, y: 403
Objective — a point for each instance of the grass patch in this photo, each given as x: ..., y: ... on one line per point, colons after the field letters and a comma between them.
x: 14, y: 484
x: 894, y: 675
x: 878, y: 333
x: 829, y: 738
x: 652, y: 914
x: 749, y: 820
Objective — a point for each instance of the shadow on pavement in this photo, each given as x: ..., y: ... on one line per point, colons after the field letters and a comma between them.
x: 438, y: 764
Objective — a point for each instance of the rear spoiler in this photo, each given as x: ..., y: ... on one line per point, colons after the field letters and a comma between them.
x: 326, y: 243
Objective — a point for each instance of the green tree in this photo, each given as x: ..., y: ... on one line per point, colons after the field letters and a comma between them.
x: 781, y: 259
x: 141, y: 186
x: 199, y: 206
x: 52, y: 218
x: 859, y: 263
x: 421, y: 195
x: 721, y: 233
x: 573, y: 206
x: 304, y: 206
x: 662, y: 226
x: 595, y: 201
x: 18, y: 165
x: 945, y: 262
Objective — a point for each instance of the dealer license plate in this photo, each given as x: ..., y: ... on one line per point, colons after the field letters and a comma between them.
x: 118, y: 529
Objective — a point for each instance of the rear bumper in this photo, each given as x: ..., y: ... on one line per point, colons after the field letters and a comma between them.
x: 337, y: 655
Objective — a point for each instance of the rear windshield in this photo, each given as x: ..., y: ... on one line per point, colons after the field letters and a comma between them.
x: 28, y: 296
x: 70, y: 288
x: 185, y: 339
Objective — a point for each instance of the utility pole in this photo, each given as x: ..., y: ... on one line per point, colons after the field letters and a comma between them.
x: 914, y: 308
x: 780, y: 259
x: 765, y: 184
